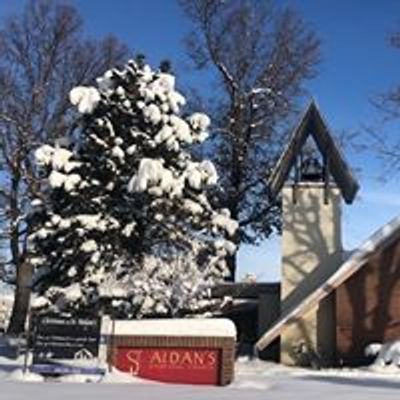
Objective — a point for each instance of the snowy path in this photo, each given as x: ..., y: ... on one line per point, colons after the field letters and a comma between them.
x: 254, y: 380
x: 279, y: 388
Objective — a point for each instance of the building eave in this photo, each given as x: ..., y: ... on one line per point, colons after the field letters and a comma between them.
x: 313, y: 124
x: 380, y: 240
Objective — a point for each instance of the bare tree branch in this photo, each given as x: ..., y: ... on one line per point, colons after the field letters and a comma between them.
x: 262, y: 56
x: 383, y: 139
x: 42, y: 57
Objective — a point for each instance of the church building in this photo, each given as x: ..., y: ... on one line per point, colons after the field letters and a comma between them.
x: 332, y: 304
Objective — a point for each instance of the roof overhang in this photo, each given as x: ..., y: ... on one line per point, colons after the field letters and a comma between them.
x: 380, y: 240
x: 313, y: 124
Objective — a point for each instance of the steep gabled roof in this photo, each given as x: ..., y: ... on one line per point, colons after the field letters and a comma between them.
x: 380, y: 240
x: 313, y: 124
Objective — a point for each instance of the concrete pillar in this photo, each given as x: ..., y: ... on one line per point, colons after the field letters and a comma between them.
x: 311, y: 251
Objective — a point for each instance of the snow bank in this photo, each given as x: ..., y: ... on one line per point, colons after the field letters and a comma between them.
x: 217, y: 327
x: 20, y: 375
x: 388, y: 354
x: 373, y: 349
x: 113, y: 376
x: 264, y: 375
x: 254, y: 379
x: 116, y: 376
x: 79, y: 378
x: 251, y: 384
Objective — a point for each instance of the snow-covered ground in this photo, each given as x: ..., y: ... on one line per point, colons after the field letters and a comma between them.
x: 254, y: 380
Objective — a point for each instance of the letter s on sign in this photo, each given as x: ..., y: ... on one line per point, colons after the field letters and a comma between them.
x: 211, y: 358
x: 133, y: 357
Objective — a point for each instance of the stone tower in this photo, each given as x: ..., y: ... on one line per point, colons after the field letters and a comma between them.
x: 312, y: 177
x: 311, y: 250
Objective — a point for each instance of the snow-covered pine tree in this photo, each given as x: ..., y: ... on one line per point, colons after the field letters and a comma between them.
x: 126, y: 227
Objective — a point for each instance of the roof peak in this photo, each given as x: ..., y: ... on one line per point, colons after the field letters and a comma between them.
x: 313, y: 124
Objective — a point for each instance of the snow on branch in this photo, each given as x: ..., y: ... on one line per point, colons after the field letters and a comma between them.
x: 127, y: 219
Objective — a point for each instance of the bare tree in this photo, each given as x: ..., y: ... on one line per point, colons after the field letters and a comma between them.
x: 261, y: 57
x: 383, y: 144
x: 42, y: 56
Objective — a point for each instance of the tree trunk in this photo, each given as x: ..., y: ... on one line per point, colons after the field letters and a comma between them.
x: 231, y: 261
x: 21, y: 299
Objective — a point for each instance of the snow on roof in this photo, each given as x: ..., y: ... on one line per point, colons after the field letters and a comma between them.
x: 382, y: 238
x: 214, y: 327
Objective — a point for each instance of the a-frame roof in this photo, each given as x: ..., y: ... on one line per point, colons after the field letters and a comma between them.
x: 379, y: 241
x: 312, y: 124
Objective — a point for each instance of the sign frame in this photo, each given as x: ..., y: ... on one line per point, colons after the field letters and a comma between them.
x: 57, y: 339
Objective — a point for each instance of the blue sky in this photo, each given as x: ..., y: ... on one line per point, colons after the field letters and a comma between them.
x: 357, y: 63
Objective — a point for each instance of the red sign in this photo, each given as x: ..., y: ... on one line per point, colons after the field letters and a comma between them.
x: 179, y: 365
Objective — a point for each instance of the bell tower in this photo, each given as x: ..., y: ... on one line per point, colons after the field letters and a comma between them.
x: 312, y: 178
